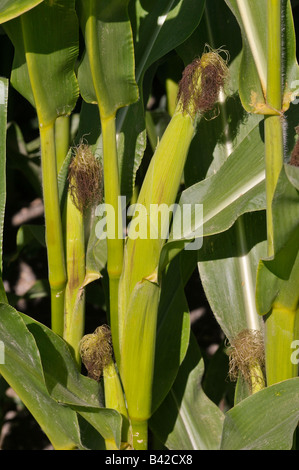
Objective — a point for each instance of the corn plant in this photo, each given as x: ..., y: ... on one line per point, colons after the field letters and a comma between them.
x: 137, y: 200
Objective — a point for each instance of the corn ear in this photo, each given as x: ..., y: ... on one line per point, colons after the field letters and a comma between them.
x: 138, y: 290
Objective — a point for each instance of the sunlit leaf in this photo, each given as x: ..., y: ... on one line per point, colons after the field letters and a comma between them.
x: 10, y: 9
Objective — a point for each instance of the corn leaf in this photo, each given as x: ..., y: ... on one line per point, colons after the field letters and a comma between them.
x: 187, y: 418
x: 107, y: 77
x: 67, y: 386
x: 23, y: 370
x: 50, y: 46
x: 10, y: 9
x: 264, y: 421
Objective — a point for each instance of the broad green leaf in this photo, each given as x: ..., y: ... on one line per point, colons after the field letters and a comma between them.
x: 23, y: 370
x: 264, y: 421
x: 46, y: 48
x: 10, y: 9
x: 227, y: 266
x: 252, y: 18
x: 187, y: 419
x: 163, y: 26
x: 3, y: 124
x: 66, y: 385
x: 106, y: 74
x: 237, y: 187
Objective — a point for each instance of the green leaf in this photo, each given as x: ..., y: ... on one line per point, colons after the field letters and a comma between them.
x: 66, y: 385
x: 46, y: 47
x: 264, y: 421
x: 10, y: 9
x: 3, y: 124
x: 96, y: 253
x: 187, y: 419
x: 106, y: 74
x: 227, y: 266
x: 163, y: 27
x: 23, y: 370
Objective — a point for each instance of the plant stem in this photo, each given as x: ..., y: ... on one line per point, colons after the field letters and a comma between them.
x: 273, y: 124
x: 62, y: 139
x: 140, y: 434
x: 54, y: 236
x: 114, y: 225
x: 74, y: 294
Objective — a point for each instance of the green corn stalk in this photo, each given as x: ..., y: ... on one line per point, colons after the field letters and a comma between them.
x: 139, y: 291
x: 273, y: 123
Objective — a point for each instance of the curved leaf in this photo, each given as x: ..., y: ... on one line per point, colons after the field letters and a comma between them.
x: 66, y: 385
x: 238, y: 187
x: 106, y: 74
x: 22, y: 369
x: 227, y: 266
x: 187, y: 419
x: 10, y: 9
x: 46, y: 47
x: 264, y: 421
